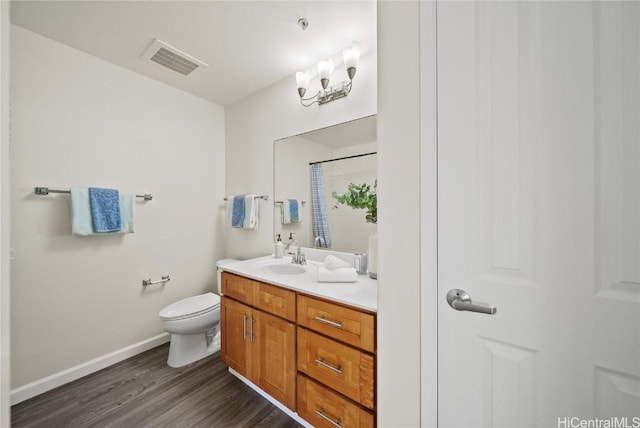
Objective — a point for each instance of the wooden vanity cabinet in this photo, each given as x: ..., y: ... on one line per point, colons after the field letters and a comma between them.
x: 258, y: 345
x: 336, y: 364
x: 315, y: 356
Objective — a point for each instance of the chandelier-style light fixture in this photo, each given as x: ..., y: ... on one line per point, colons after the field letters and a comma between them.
x: 351, y: 57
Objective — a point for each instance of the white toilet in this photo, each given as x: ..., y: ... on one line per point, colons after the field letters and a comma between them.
x: 194, y: 325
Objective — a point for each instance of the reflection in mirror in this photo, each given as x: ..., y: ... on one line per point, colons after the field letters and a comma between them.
x: 327, y: 161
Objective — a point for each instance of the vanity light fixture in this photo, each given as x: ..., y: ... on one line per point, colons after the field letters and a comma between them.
x: 328, y: 93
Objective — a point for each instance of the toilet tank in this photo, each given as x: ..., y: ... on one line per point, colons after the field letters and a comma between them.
x: 220, y: 264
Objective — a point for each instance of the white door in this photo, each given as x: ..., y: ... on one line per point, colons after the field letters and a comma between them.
x: 539, y: 212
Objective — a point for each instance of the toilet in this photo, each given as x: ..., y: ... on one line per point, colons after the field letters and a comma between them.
x: 194, y: 325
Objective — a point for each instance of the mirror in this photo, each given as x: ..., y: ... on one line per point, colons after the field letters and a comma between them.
x: 309, y: 168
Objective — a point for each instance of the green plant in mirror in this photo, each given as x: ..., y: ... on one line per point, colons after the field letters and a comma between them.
x: 360, y: 196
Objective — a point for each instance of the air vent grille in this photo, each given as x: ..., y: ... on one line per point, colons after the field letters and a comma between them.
x: 174, y: 59
x: 174, y: 62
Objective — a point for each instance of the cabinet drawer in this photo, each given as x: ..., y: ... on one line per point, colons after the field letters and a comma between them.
x: 276, y: 300
x: 324, y: 408
x: 238, y: 287
x: 345, y: 324
x: 343, y: 368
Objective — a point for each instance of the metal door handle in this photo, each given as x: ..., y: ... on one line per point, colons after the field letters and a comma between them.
x: 461, y: 301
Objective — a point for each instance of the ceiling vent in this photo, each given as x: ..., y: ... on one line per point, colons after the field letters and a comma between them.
x: 174, y: 59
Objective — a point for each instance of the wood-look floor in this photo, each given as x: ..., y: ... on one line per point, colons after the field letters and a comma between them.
x: 143, y: 391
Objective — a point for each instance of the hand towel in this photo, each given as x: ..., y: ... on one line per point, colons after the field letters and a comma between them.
x: 80, y: 212
x: 333, y: 262
x: 285, y: 212
x: 237, y: 216
x: 294, y: 212
x: 337, y: 275
x: 105, y: 210
x: 251, y: 212
x: 290, y: 211
x: 126, y: 213
x: 229, y: 211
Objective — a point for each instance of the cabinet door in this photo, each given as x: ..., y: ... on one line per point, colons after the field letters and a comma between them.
x: 274, y: 364
x: 235, y: 327
x: 343, y: 368
x: 238, y: 287
x: 324, y: 408
x: 348, y: 325
x: 277, y: 301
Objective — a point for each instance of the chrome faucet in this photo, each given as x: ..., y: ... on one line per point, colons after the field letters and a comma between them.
x: 318, y: 242
x: 299, y: 258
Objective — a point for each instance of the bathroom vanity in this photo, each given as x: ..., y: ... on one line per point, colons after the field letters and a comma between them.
x: 310, y: 346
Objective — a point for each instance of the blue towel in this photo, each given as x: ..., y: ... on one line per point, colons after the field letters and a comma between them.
x: 293, y: 210
x: 105, y: 210
x: 237, y: 217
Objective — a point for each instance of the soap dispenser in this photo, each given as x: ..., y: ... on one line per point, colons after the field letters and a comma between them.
x: 279, y: 248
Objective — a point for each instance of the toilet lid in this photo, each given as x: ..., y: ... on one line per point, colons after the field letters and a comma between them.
x: 191, y: 306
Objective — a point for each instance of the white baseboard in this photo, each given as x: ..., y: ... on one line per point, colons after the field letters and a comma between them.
x: 273, y: 401
x: 48, y: 383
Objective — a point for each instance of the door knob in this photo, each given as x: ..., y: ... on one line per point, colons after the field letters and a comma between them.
x: 461, y: 301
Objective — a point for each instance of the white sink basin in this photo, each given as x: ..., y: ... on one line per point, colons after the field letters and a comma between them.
x: 284, y: 269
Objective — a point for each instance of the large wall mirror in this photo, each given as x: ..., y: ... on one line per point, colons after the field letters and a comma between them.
x: 309, y: 168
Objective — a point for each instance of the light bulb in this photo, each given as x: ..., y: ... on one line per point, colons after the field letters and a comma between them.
x: 325, y: 68
x: 349, y: 59
x: 302, y: 82
x: 302, y: 79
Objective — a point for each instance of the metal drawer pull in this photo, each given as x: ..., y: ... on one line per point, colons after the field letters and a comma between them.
x: 320, y: 412
x: 251, y: 329
x: 244, y: 327
x: 329, y: 366
x: 331, y: 323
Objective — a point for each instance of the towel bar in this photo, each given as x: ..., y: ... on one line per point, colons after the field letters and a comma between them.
x: 46, y: 191
x: 280, y: 202
x: 265, y: 197
x: 147, y: 282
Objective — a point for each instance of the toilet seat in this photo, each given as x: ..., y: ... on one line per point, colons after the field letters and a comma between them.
x: 190, y: 307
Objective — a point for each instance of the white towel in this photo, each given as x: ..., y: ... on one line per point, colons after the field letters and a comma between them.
x: 80, y: 212
x: 126, y: 212
x: 229, y: 211
x: 251, y: 212
x: 337, y: 275
x: 333, y: 262
x: 285, y: 209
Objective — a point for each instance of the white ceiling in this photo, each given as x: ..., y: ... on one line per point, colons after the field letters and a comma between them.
x: 248, y: 45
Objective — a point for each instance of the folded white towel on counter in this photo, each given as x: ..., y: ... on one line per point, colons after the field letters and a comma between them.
x: 342, y: 274
x: 333, y: 262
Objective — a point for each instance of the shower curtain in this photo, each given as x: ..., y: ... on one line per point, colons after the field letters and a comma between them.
x: 319, y: 207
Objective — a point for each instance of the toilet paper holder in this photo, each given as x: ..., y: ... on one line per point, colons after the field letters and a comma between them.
x: 148, y: 282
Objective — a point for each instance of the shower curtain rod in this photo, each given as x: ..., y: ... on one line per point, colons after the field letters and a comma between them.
x: 346, y: 157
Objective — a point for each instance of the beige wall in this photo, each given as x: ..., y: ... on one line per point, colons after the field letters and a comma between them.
x: 80, y: 121
x: 398, y: 238
x: 253, y: 124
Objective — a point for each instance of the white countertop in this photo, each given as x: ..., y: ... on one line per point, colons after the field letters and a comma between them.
x: 362, y: 294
